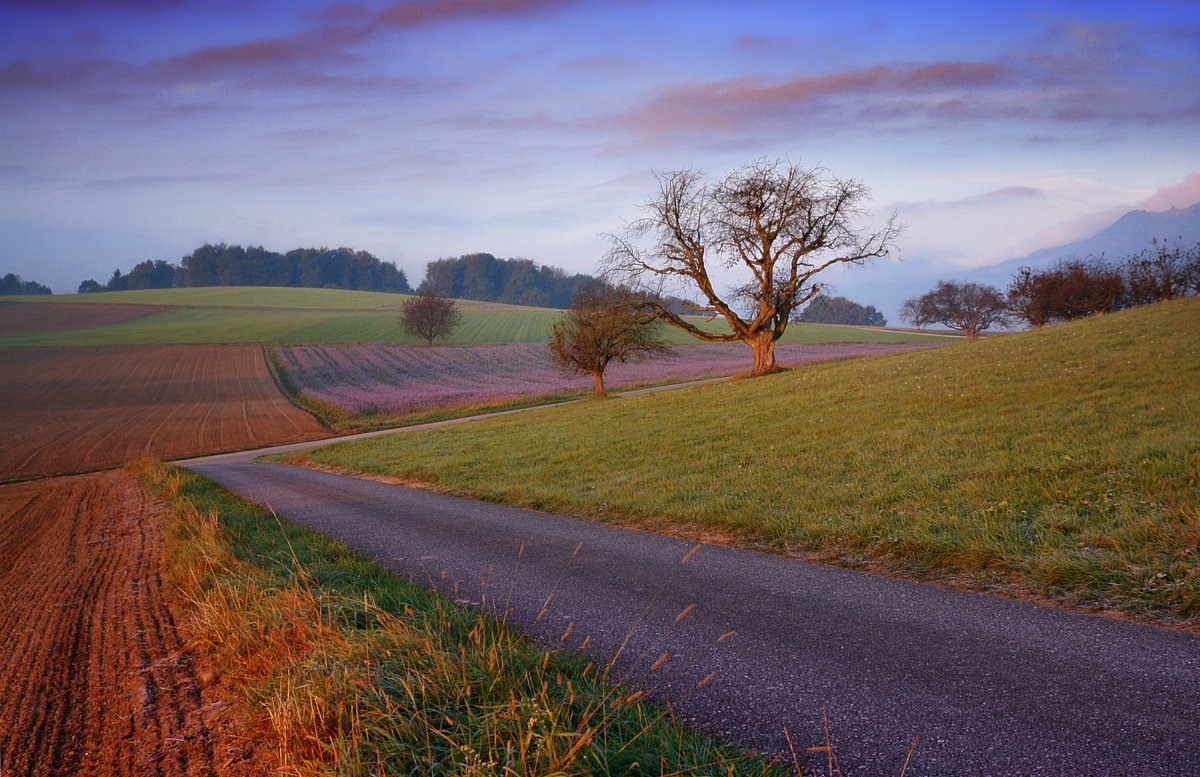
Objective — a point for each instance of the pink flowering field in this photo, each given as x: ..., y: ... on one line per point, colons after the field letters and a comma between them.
x: 388, y: 379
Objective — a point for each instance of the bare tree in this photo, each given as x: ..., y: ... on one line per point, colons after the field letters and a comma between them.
x: 911, y: 310
x: 429, y: 315
x: 1162, y: 272
x: 604, y: 325
x: 969, y: 308
x: 771, y: 225
x: 1032, y: 297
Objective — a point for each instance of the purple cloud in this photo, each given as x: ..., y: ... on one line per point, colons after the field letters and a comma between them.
x: 138, y: 181
x: 762, y: 43
x: 1074, y: 74
x: 74, y: 5
x: 1005, y: 194
x: 298, y: 60
x: 416, y: 14
x: 753, y: 99
x: 1002, y: 196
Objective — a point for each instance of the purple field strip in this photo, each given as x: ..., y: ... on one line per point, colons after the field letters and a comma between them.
x: 397, y: 379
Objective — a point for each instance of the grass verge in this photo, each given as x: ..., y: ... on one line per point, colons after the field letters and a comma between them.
x: 351, y: 670
x: 1062, y: 463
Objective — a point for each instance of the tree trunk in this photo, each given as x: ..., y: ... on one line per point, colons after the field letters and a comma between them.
x: 598, y: 376
x: 763, y: 346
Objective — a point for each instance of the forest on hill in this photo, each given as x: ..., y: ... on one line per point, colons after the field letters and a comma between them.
x: 824, y: 309
x: 482, y: 277
x: 485, y: 278
x: 15, y: 284
x: 226, y: 265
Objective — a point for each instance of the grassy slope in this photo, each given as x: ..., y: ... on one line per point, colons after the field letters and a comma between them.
x: 328, y: 316
x: 351, y: 670
x: 1064, y: 461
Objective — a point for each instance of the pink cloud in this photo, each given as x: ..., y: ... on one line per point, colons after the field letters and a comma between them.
x: 728, y: 102
x: 322, y: 44
x: 1181, y: 195
x: 340, y: 27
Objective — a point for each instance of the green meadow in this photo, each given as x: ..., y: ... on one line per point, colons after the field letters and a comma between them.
x: 247, y: 314
x: 1062, y: 463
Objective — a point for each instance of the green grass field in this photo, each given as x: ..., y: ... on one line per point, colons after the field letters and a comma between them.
x: 1064, y: 463
x: 327, y: 316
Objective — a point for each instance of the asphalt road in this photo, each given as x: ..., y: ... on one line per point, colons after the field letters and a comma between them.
x: 991, y: 686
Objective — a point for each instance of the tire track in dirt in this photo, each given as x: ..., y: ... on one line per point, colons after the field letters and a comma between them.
x: 96, y: 678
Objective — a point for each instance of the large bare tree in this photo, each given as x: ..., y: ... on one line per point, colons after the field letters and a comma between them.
x: 769, y: 226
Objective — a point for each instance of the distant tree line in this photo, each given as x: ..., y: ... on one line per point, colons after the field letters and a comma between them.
x: 823, y: 309
x: 226, y: 265
x: 1069, y: 289
x: 13, y: 284
x: 478, y: 276
x: 485, y: 278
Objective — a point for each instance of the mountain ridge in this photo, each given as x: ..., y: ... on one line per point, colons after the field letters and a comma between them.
x: 1130, y: 234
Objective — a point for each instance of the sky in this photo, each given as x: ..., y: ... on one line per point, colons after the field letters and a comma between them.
x: 141, y: 129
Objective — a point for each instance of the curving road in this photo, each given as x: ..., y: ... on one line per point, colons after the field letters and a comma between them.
x: 992, y: 686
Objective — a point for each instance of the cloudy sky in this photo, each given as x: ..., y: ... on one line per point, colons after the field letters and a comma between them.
x: 139, y: 129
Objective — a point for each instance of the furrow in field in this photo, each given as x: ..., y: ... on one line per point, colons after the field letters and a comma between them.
x: 97, y: 678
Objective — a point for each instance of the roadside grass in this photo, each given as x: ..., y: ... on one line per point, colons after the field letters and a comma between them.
x: 351, y: 670
x: 1062, y: 463
x: 243, y: 314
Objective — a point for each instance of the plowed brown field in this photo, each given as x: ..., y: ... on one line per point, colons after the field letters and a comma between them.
x: 68, y: 410
x: 95, y: 680
x: 24, y: 318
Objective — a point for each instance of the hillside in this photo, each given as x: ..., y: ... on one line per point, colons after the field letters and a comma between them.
x: 248, y: 314
x: 1060, y: 461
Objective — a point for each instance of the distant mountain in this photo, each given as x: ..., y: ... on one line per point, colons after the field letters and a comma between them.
x: 1128, y: 235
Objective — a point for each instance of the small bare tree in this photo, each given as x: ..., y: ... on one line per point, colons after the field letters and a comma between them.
x: 1032, y: 297
x: 429, y: 315
x: 1162, y: 272
x: 969, y: 308
x: 771, y: 225
x: 604, y: 325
